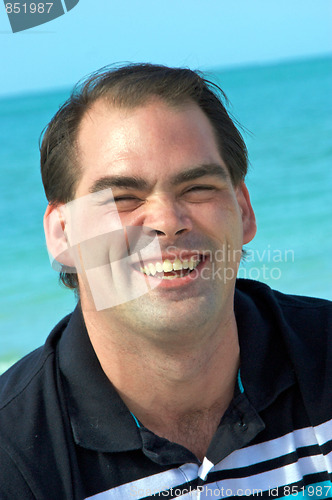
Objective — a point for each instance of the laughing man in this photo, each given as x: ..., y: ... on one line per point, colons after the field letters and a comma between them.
x: 171, y: 378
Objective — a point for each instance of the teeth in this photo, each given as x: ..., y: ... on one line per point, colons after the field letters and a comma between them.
x: 177, y: 265
x: 152, y: 269
x: 167, y: 266
x: 159, y: 267
x: 144, y: 270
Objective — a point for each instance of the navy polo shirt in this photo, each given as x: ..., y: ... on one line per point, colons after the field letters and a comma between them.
x: 66, y: 433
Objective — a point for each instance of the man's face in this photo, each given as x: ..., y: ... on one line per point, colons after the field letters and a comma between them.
x: 167, y: 177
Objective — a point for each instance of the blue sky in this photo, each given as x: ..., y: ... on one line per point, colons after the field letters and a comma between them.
x: 197, y: 33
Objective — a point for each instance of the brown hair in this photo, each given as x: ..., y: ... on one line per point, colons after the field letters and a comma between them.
x: 131, y: 86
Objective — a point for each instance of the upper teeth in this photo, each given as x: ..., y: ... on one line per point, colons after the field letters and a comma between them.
x: 167, y: 266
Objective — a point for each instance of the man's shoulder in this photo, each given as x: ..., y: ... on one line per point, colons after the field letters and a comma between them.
x: 33, y: 427
x: 29, y: 371
x: 295, y: 307
x: 303, y: 323
x: 302, y: 301
x: 296, y: 330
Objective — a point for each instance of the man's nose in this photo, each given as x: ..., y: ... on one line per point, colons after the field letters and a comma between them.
x: 166, y: 217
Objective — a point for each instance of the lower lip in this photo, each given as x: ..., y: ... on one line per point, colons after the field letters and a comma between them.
x: 176, y: 282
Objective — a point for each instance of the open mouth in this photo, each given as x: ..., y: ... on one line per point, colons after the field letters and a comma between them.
x: 167, y: 270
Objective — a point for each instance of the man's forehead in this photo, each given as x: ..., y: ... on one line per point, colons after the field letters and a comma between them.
x: 155, y: 121
x: 146, y: 141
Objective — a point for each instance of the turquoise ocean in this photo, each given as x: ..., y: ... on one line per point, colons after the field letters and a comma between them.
x: 286, y: 112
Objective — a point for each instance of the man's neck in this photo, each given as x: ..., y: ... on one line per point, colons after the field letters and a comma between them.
x: 179, y: 393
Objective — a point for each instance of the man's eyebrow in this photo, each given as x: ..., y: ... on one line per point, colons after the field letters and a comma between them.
x: 120, y: 181
x: 132, y: 182
x: 213, y: 169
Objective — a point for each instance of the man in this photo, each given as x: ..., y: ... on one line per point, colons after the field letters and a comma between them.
x: 171, y: 378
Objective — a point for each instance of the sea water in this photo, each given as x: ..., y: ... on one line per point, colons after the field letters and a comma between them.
x: 286, y: 112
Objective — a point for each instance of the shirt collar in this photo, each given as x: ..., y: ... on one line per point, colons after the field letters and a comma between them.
x: 99, y: 418
x: 266, y: 370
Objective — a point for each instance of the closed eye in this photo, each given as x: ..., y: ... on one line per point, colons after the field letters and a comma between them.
x: 199, y: 193
x: 125, y: 198
x: 127, y: 203
x: 121, y: 203
x: 198, y: 188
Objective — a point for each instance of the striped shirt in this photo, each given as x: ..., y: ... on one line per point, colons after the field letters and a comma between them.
x: 66, y: 433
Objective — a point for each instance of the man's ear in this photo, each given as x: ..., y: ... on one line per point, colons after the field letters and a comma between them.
x: 248, y: 216
x: 61, y: 254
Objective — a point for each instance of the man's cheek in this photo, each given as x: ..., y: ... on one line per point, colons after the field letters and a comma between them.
x: 89, y: 217
x: 108, y: 265
x: 106, y: 255
x: 112, y: 274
